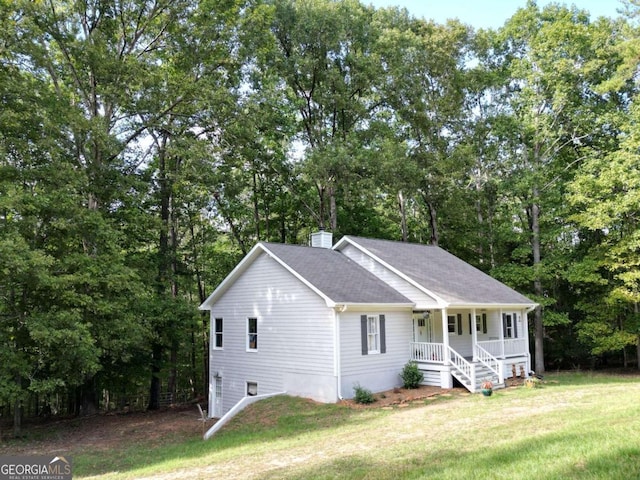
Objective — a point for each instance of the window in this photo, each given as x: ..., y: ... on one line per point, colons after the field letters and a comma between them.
x: 252, y: 334
x: 373, y: 335
x: 454, y: 323
x: 252, y: 389
x: 509, y: 327
x: 372, y: 332
x: 451, y: 323
x: 217, y: 333
x: 481, y: 323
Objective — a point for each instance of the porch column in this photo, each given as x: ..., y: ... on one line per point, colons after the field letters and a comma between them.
x: 501, y: 334
x: 445, y: 336
x: 474, y: 334
x: 525, y: 327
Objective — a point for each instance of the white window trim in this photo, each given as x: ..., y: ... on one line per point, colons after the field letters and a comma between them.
x: 373, y: 335
x: 248, y: 345
x: 216, y: 333
x: 508, y: 325
x: 455, y: 324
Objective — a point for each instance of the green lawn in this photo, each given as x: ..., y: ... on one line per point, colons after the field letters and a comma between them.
x: 576, y: 426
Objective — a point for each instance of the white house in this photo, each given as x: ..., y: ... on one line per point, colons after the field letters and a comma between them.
x: 315, y: 321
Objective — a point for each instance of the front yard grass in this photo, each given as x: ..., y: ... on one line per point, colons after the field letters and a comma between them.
x: 575, y: 426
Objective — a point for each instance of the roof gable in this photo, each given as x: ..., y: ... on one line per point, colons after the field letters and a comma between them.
x: 438, y: 272
x: 329, y: 273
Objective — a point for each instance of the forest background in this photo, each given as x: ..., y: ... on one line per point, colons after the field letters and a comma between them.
x: 147, y: 145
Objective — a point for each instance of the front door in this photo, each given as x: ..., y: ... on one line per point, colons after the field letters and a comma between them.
x: 217, y: 397
x: 422, y: 328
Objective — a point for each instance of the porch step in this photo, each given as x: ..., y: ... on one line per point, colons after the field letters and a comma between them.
x: 482, y: 374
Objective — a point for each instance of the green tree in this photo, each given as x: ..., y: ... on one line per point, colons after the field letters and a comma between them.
x: 554, y: 62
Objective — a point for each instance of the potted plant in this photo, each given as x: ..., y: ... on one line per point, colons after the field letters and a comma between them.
x: 486, y: 387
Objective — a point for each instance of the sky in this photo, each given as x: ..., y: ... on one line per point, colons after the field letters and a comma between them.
x: 488, y: 13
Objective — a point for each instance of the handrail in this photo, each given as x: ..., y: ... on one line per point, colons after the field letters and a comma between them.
x: 464, y: 368
x: 427, y: 352
x: 489, y: 361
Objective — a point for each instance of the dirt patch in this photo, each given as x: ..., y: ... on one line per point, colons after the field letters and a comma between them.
x: 104, y: 431
x: 114, y: 430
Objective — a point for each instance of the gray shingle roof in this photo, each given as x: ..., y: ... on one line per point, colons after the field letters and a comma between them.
x: 442, y: 273
x: 335, y: 275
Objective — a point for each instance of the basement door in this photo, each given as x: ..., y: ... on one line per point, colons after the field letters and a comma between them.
x: 217, y: 397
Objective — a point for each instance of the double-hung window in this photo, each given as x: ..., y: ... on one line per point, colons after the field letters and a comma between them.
x: 372, y: 332
x: 252, y: 334
x: 217, y: 333
x: 509, y: 326
x: 481, y: 323
x: 451, y: 323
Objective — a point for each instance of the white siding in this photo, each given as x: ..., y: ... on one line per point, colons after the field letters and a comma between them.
x: 295, y: 337
x: 421, y: 299
x: 376, y: 372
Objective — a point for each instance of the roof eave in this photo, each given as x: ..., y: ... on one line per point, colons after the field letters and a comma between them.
x: 528, y: 306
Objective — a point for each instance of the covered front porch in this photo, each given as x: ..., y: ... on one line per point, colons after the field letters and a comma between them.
x: 470, y: 345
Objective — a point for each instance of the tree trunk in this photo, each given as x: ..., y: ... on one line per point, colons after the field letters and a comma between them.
x: 154, y: 388
x: 256, y: 210
x: 172, y: 382
x: 433, y: 224
x: 17, y: 418
x: 205, y: 353
x: 403, y: 216
x: 333, y: 209
x: 17, y: 411
x: 537, y: 283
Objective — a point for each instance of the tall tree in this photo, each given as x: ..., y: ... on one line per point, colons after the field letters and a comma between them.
x: 551, y: 54
x: 324, y: 55
x: 424, y: 71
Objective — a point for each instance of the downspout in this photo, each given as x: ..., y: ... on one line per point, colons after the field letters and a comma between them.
x: 336, y: 347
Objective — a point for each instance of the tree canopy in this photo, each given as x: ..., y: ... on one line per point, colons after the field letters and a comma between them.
x: 146, y: 145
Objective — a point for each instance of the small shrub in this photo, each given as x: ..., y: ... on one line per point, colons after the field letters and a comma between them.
x: 411, y: 375
x: 363, y: 395
x: 532, y: 382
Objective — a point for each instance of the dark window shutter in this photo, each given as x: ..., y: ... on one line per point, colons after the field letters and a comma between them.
x: 484, y: 323
x: 459, y: 324
x: 363, y: 334
x: 470, y: 331
x: 383, y: 335
x: 504, y: 325
x: 515, y: 325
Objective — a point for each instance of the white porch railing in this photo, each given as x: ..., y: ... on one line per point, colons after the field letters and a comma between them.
x: 490, y: 362
x: 463, y: 370
x: 427, y: 352
x: 509, y: 347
